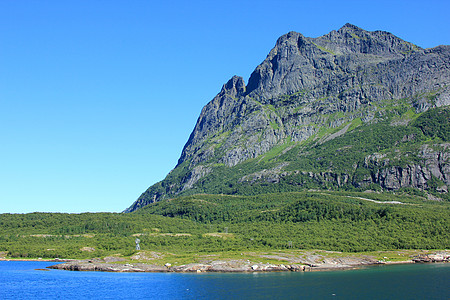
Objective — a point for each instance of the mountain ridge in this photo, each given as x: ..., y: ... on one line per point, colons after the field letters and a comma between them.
x: 318, y: 88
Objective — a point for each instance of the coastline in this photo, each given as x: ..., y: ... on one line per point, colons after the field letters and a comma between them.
x: 218, y: 267
x: 309, y: 263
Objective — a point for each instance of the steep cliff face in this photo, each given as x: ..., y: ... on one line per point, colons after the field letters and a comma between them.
x: 304, y: 80
x: 310, y: 91
x: 434, y: 164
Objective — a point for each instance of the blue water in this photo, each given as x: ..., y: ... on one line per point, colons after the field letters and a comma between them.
x: 20, y: 280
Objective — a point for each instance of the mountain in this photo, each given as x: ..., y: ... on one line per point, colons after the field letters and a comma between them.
x: 353, y: 109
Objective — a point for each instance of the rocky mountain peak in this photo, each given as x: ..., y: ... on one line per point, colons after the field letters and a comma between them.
x: 352, y: 39
x: 235, y: 87
x: 345, y: 69
x: 286, y: 60
x: 350, y: 28
x: 305, y: 88
x: 291, y: 38
x: 302, y: 63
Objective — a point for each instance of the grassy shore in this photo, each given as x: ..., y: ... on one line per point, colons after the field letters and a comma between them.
x: 254, y: 261
x: 276, y: 228
x: 317, y: 258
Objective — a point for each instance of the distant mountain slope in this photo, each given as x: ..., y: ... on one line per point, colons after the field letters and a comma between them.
x: 352, y: 109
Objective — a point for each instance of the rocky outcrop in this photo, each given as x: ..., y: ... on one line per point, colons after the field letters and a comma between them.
x: 306, y: 86
x: 435, y: 162
x: 383, y: 172
x: 270, y: 176
x: 438, y: 161
x: 228, y: 266
x: 196, y: 173
x: 443, y: 256
x: 91, y: 265
x: 318, y: 260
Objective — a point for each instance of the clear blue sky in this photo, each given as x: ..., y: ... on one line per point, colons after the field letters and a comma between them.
x: 98, y: 98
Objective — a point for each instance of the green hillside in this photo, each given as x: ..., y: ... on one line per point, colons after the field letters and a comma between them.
x: 338, y: 221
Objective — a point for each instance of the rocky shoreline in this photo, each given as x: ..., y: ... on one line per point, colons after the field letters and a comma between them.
x: 215, y: 266
x: 114, y: 264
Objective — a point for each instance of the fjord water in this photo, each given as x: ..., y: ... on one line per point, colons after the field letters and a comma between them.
x: 21, y: 280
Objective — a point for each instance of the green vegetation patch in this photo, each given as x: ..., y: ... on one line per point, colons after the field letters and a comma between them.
x: 202, y: 225
x: 435, y: 123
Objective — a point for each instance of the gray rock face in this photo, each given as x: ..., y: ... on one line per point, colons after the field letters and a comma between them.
x: 364, y: 66
x: 308, y: 84
x: 304, y: 80
x: 435, y: 163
